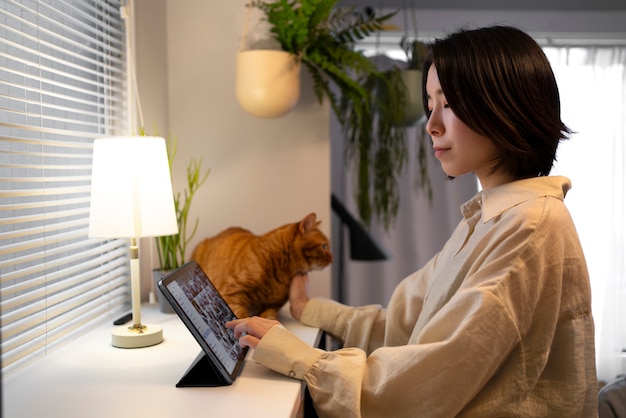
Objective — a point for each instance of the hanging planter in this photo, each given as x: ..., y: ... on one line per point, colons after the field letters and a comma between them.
x: 412, y: 77
x: 268, y: 82
x: 414, y: 107
x: 323, y: 37
x: 267, y: 77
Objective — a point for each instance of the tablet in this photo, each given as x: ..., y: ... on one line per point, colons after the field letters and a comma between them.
x: 205, y: 313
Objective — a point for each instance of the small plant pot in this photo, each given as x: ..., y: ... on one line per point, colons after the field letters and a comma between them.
x: 164, y: 305
x: 268, y: 82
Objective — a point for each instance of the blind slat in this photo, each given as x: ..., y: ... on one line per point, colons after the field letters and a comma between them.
x: 41, y: 242
x: 55, y: 131
x: 45, y: 204
x: 111, y: 250
x: 111, y: 63
x: 48, y: 70
x: 62, y: 248
x: 46, y: 216
x: 78, y: 111
x: 44, y: 192
x: 48, y: 120
x: 47, y: 154
x: 28, y: 316
x: 46, y: 229
x: 48, y: 167
x: 48, y: 93
x: 72, y: 323
x: 52, y: 143
x: 87, y: 25
x: 25, y: 180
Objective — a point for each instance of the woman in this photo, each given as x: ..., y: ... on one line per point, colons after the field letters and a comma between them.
x: 498, y: 323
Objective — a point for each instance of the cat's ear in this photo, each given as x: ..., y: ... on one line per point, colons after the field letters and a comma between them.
x: 308, y: 223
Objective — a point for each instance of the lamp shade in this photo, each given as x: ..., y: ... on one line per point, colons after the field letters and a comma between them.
x: 131, y: 189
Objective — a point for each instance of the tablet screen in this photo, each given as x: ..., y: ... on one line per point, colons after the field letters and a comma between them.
x: 205, y: 313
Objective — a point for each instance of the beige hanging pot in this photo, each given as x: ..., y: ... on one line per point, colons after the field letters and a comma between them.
x: 416, y: 52
x: 414, y: 107
x: 267, y: 81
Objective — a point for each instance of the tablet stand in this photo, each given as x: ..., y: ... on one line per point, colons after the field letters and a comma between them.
x: 201, y: 374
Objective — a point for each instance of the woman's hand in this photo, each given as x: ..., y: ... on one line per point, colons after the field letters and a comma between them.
x: 249, y: 331
x: 298, y: 294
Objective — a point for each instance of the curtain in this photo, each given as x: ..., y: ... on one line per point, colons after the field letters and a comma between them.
x: 592, y: 83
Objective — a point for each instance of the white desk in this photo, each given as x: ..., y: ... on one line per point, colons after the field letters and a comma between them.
x: 91, y: 378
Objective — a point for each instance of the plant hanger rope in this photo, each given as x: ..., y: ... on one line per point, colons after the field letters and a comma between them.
x: 411, y: 7
x: 126, y: 11
x: 246, y: 24
x: 268, y: 79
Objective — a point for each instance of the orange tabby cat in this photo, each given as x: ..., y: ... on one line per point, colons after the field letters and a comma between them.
x: 253, y: 272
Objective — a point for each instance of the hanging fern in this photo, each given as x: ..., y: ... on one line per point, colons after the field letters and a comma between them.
x: 377, y: 145
x: 323, y: 37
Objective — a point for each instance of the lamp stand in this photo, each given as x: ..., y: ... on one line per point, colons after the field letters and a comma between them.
x: 138, y: 335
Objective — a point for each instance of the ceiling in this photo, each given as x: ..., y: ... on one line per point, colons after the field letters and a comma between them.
x: 568, y: 5
x: 567, y: 22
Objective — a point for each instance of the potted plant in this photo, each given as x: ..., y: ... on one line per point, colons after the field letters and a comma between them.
x: 171, y: 249
x: 322, y: 38
x: 415, y: 51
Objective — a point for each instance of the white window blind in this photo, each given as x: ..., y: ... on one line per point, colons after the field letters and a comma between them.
x: 62, y: 84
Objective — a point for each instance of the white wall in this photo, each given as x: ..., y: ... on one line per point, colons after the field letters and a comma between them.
x: 264, y: 172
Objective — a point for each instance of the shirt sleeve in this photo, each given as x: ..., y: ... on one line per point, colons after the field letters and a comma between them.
x: 400, y: 380
x: 361, y: 327
x: 334, y: 377
x: 365, y: 327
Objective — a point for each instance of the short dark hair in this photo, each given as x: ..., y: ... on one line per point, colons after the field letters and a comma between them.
x: 499, y: 82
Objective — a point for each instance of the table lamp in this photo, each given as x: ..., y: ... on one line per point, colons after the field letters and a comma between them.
x: 131, y: 197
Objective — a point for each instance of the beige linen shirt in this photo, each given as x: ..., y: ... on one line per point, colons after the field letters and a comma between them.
x: 498, y: 324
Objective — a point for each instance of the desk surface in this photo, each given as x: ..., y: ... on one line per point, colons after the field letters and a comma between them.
x: 91, y: 378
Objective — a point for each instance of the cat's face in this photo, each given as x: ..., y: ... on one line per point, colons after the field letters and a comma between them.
x: 315, y: 249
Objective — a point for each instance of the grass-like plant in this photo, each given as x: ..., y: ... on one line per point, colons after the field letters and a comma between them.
x: 171, y: 249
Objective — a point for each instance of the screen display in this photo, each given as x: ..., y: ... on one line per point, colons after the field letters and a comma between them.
x: 208, y: 312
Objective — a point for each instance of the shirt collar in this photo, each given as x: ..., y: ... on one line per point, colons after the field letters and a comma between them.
x: 497, y: 200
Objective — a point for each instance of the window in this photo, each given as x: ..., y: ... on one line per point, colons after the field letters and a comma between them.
x: 592, y: 82
x: 62, y: 84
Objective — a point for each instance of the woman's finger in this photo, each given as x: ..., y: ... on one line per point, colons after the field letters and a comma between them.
x: 255, y: 326
x: 248, y: 340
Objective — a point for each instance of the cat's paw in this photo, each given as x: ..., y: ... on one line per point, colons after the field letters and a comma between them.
x: 269, y: 313
x: 240, y: 312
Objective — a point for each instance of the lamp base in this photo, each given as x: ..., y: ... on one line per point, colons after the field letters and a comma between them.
x: 131, y: 337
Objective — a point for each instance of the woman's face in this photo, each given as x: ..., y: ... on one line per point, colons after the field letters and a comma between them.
x: 459, y: 149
